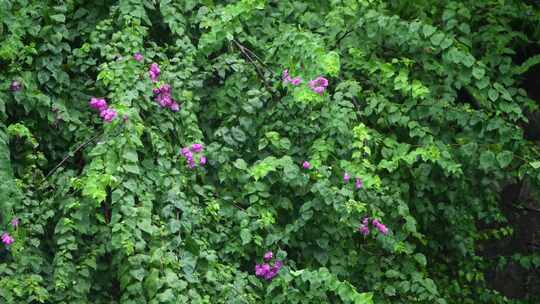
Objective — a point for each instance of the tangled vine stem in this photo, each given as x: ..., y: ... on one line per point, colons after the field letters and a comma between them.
x: 70, y: 154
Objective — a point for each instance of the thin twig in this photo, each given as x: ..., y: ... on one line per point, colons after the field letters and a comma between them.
x: 343, y: 36
x: 81, y: 146
x: 246, y: 49
x: 70, y: 154
x: 257, y: 68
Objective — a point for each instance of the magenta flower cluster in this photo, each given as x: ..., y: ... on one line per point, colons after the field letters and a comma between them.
x: 15, y: 86
x: 106, y: 113
x: 357, y: 181
x: 138, y: 57
x: 267, y: 271
x: 154, y: 72
x: 318, y: 85
x: 163, y: 97
x: 364, y: 226
x: 6, y: 238
x: 287, y: 78
x: 189, y: 156
x: 306, y: 165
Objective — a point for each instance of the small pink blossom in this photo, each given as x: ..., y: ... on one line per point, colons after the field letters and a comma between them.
x: 296, y: 81
x: 202, y: 160
x: 174, y: 106
x: 285, y: 76
x: 154, y: 72
x: 15, y: 223
x: 196, y: 148
x: 306, y: 165
x: 358, y: 183
x: 346, y: 177
x: 108, y: 115
x: 318, y: 85
x: 15, y: 86
x: 364, y: 230
x: 268, y: 256
x: 7, y: 239
x: 99, y: 104
x: 138, y: 57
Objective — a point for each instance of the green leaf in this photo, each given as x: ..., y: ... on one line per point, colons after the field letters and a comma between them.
x: 421, y: 259
x: 428, y: 30
x: 535, y: 164
x: 437, y: 39
x: 240, y: 164
x: 493, y: 94
x: 131, y: 155
x: 264, y: 167
x: 331, y: 64
x: 245, y: 235
x: 529, y: 63
x: 131, y: 169
x: 505, y: 158
x: 58, y: 17
x: 478, y: 72
x: 390, y: 291
x: 238, y: 134
x: 487, y: 160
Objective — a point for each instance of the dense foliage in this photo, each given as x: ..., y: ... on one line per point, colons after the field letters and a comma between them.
x: 377, y: 182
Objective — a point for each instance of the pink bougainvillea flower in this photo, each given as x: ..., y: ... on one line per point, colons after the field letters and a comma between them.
x: 138, y: 57
x: 15, y: 86
x: 346, y: 177
x: 175, y: 107
x: 364, y: 230
x: 163, y: 96
x: 306, y: 165
x: 382, y: 228
x: 285, y: 76
x: 364, y: 227
x: 265, y: 270
x: 166, y: 88
x: 296, y: 81
x: 164, y: 100
x: 318, y: 90
x: 108, y: 115
x: 98, y: 103
x: 274, y: 270
x: 15, y: 223
x: 318, y: 85
x: 154, y: 72
x: 261, y: 270
x: 365, y: 221
x: 202, y: 160
x: 196, y: 148
x: 268, y: 256
x: 7, y: 239
x: 358, y: 183
x: 185, y: 151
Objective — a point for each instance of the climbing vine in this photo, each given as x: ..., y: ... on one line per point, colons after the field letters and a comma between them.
x: 260, y: 151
